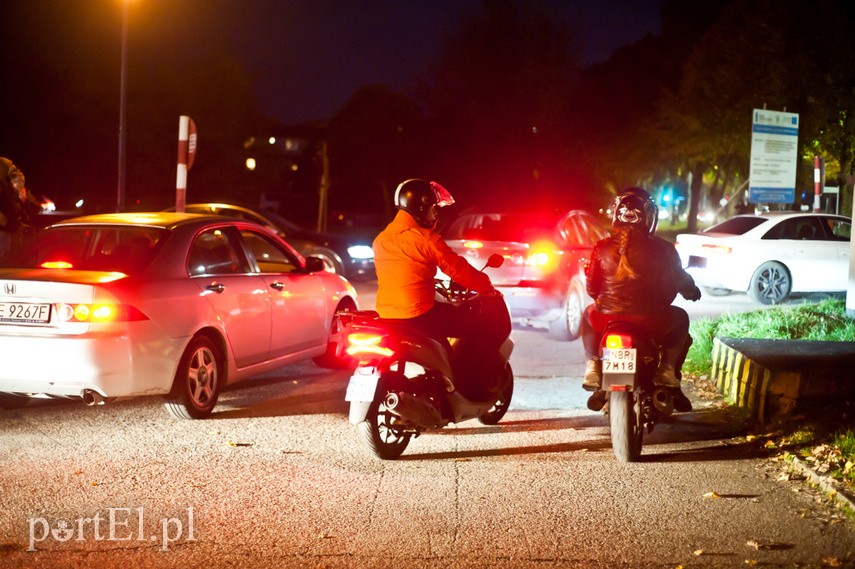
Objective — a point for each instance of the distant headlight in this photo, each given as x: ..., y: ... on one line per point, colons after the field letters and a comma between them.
x: 360, y: 252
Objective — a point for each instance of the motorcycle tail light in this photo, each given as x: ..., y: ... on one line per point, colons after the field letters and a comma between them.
x: 618, y: 341
x: 543, y: 255
x: 361, y: 344
x: 471, y: 244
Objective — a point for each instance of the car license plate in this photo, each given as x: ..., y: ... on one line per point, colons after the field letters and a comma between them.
x: 362, y: 386
x: 24, y: 313
x: 618, y: 360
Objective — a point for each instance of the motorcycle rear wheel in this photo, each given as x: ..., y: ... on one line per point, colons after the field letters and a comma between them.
x: 378, y: 434
x: 626, y: 431
x: 495, y: 414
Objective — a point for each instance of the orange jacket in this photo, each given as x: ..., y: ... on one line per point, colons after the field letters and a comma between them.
x: 406, y: 257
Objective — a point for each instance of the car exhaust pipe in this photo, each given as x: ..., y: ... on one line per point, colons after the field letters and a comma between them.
x: 663, y: 401
x: 413, y: 410
x: 92, y: 397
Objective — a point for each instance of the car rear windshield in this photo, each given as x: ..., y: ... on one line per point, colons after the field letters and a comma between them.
x: 736, y: 225
x: 500, y: 227
x: 124, y: 249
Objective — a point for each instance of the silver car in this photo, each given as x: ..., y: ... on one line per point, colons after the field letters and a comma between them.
x: 120, y: 305
x: 542, y: 277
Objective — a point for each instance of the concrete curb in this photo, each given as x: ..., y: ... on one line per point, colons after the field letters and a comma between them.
x: 769, y: 377
x: 838, y: 491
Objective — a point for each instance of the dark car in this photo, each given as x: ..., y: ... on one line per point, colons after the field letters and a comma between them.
x: 542, y: 277
x: 351, y: 257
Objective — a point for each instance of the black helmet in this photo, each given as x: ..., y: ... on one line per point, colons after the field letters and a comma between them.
x: 417, y: 197
x: 635, y: 208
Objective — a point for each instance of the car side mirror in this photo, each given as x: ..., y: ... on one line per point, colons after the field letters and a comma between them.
x: 314, y: 264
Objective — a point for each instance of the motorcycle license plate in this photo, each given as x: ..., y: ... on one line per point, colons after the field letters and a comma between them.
x: 619, y: 360
x: 362, y: 386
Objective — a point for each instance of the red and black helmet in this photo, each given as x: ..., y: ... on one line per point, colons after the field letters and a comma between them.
x: 417, y: 197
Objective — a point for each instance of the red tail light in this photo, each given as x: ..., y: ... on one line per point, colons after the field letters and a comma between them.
x: 361, y: 344
x: 98, y: 313
x: 618, y: 341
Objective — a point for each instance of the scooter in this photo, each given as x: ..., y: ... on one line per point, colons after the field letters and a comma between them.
x: 633, y: 403
x: 406, y: 382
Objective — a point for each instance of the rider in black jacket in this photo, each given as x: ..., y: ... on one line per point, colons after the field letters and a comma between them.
x: 635, y: 276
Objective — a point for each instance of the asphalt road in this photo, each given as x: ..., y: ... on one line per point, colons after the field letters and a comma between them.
x: 276, y: 478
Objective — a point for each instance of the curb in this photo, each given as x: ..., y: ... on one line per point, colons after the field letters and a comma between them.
x: 838, y: 491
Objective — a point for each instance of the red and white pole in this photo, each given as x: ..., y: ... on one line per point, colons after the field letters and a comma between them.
x: 817, y: 183
x: 186, y: 153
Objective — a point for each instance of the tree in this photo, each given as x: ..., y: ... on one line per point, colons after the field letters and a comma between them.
x: 374, y: 145
x: 500, y: 93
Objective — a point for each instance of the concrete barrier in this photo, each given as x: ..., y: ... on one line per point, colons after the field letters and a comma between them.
x: 771, y: 378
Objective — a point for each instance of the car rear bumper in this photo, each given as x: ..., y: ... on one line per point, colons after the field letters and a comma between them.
x: 68, y: 366
x: 529, y: 302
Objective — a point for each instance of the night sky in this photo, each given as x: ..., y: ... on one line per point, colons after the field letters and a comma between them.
x: 305, y: 57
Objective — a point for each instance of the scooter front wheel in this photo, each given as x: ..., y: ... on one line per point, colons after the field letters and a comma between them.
x: 379, y: 435
x: 495, y: 413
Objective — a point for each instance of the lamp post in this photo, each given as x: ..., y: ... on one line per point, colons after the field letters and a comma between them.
x: 120, y: 197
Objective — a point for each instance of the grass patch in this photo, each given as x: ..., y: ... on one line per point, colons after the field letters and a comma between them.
x: 825, y: 320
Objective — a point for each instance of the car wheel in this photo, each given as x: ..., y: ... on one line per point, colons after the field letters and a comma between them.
x: 770, y: 283
x: 335, y: 356
x: 567, y: 326
x: 330, y: 259
x: 714, y: 291
x: 197, y: 382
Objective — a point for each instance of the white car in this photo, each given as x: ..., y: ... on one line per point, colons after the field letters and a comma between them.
x: 770, y: 256
x: 120, y: 305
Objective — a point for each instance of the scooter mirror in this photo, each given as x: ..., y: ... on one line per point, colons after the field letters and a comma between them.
x: 495, y: 261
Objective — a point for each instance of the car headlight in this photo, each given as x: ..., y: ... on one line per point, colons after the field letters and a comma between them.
x: 360, y: 252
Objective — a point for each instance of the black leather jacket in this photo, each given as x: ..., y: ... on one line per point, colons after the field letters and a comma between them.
x: 660, y: 276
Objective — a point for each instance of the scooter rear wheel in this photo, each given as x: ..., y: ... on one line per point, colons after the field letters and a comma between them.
x: 378, y: 434
x: 627, y: 433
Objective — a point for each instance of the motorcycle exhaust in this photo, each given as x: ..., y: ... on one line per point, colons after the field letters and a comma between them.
x: 92, y: 397
x: 663, y: 401
x: 413, y: 410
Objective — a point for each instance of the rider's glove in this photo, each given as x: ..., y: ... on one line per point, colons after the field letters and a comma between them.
x: 694, y: 294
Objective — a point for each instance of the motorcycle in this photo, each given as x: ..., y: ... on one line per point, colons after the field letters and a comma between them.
x: 406, y: 382
x: 633, y: 403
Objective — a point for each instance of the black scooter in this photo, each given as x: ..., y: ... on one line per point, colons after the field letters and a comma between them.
x: 406, y: 383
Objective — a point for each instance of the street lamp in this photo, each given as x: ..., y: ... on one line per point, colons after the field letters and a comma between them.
x: 120, y: 199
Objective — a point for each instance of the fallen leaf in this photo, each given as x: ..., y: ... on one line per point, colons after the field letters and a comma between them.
x: 234, y: 444
x: 831, y: 562
x: 714, y: 495
x: 698, y: 552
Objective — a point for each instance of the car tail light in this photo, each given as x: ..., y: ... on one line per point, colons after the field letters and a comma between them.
x: 472, y: 244
x: 361, y: 344
x: 543, y: 255
x: 98, y: 313
x: 717, y: 249
x: 56, y: 265
x: 616, y: 341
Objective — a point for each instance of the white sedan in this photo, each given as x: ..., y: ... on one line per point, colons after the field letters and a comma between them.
x: 770, y: 255
x: 120, y: 305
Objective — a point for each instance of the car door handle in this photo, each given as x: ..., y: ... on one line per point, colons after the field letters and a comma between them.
x: 277, y: 285
x: 216, y: 287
